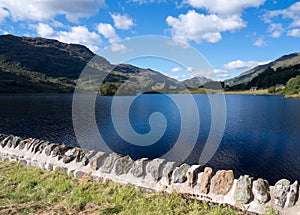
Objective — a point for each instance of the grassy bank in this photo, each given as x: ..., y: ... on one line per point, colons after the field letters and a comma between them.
x: 26, y: 190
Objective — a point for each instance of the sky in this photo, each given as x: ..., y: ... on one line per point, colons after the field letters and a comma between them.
x: 232, y: 35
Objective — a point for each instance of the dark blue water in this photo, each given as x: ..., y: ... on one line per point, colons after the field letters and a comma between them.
x: 261, y: 138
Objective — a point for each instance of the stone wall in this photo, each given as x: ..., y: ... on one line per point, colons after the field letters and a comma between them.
x: 199, y: 182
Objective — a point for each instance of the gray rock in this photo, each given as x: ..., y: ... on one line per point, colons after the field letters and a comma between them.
x: 109, y: 162
x: 70, y: 155
x: 179, y: 174
x: 222, y: 182
x: 192, y: 175
x: 2, y: 138
x: 204, y: 180
x: 23, y: 162
x: 59, y: 151
x: 15, y: 141
x: 292, y: 195
x: 139, y: 167
x: 6, y: 140
x: 84, y: 156
x: 24, y: 142
x: 261, y: 191
x: 79, y: 174
x: 243, y: 191
x: 32, y: 144
x: 281, y: 189
x: 123, y: 165
x: 97, y: 160
x: 35, y: 148
x: 154, y: 168
x: 167, y: 171
x: 49, y: 148
x: 43, y: 146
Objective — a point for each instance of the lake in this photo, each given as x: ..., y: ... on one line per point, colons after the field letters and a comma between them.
x: 261, y: 137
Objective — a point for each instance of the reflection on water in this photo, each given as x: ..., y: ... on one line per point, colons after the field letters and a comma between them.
x: 262, y: 134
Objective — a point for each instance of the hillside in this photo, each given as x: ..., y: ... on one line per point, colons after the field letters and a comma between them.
x: 38, y: 65
x: 196, y: 82
x: 282, y: 64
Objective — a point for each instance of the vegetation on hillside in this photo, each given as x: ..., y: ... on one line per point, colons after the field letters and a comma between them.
x: 25, y: 190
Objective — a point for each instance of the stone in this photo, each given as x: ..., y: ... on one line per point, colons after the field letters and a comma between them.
x: 222, y: 182
x: 61, y: 169
x: 59, y: 151
x: 79, y: 174
x: 154, y: 169
x: 32, y: 144
x: 109, y: 162
x: 97, y: 160
x: 15, y: 141
x: 2, y: 137
x: 243, y: 191
x: 292, y: 195
x: 281, y: 189
x: 23, y: 162
x: 167, y: 171
x: 24, y: 142
x: 6, y: 140
x: 84, y: 156
x: 70, y: 155
x: 123, y: 165
x: 192, y: 175
x: 139, y: 167
x: 179, y: 174
x: 204, y: 180
x: 35, y: 148
x: 261, y: 191
x: 43, y: 146
x: 49, y: 149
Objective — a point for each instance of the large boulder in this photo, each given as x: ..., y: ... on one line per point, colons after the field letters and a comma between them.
x: 139, y: 167
x: 192, y: 175
x: 109, y: 162
x: 123, y: 165
x: 204, y: 180
x: 261, y: 191
x: 243, y: 191
x: 222, y: 182
x: 292, y: 195
x: 281, y: 189
x: 154, y: 168
x: 179, y: 174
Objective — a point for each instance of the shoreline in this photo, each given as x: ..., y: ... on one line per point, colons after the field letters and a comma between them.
x: 158, y: 175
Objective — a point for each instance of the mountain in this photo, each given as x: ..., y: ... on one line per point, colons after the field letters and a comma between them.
x: 284, y: 63
x: 196, y: 82
x: 39, y: 65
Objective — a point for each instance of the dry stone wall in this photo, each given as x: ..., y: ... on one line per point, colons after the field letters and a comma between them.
x: 199, y: 182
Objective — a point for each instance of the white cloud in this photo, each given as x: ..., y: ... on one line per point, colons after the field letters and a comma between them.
x: 187, y: 26
x: 276, y: 30
x: 3, y: 14
x: 292, y: 12
x: 76, y: 34
x: 260, y: 42
x: 123, y: 22
x: 116, y: 47
x: 45, y: 30
x: 225, y: 7
x: 294, y: 32
x: 239, y: 64
x: 41, y: 10
x: 176, y: 69
x: 108, y: 32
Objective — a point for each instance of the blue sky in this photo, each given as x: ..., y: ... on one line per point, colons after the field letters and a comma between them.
x: 233, y: 35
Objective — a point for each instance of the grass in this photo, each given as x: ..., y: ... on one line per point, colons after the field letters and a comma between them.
x: 245, y: 92
x: 26, y: 190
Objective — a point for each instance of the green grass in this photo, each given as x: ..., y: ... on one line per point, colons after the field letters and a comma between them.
x: 25, y: 190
